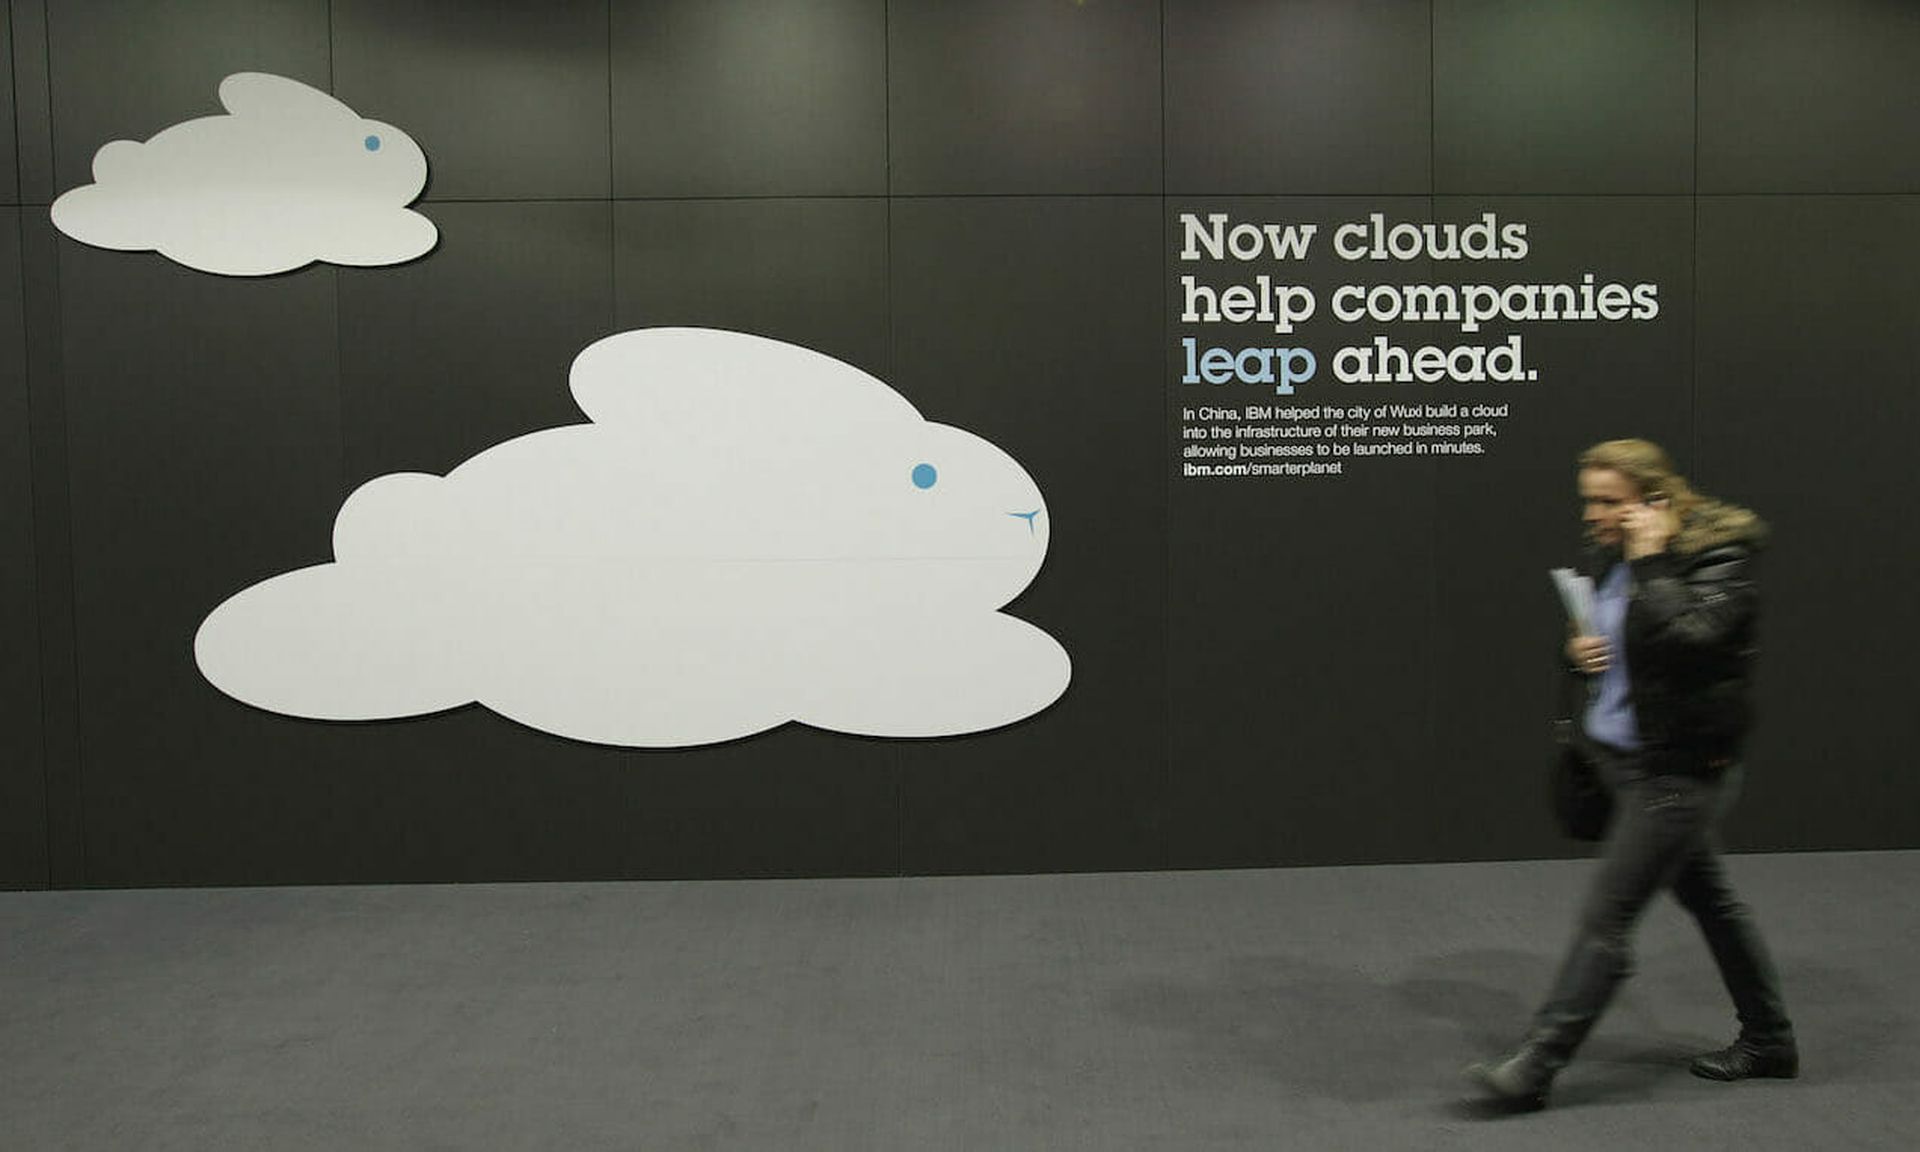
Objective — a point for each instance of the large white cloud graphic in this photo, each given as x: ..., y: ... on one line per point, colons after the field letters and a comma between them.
x: 747, y: 533
x: 288, y: 177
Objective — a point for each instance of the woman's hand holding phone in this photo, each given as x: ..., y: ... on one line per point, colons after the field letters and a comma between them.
x: 1648, y: 526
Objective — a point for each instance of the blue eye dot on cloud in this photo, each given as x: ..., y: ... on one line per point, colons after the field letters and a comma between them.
x: 373, y: 143
x: 925, y: 476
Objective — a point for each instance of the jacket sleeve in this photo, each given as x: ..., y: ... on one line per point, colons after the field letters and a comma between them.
x: 1691, y: 605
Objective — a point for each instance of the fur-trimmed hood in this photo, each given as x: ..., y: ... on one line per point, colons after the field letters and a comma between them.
x: 1713, y: 524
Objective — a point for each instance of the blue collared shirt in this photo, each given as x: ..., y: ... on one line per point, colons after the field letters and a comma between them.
x: 1609, y: 716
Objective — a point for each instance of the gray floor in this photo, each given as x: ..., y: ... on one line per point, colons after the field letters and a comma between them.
x: 1311, y: 1009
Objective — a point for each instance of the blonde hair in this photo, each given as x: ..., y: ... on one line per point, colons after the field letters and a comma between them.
x: 1704, y: 521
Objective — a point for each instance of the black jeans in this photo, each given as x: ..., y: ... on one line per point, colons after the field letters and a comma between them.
x: 1664, y: 835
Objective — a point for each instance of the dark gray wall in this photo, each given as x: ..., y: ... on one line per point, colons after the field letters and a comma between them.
x: 23, y: 815
x: 973, y: 201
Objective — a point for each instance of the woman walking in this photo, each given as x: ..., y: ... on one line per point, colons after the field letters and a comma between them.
x: 1666, y: 669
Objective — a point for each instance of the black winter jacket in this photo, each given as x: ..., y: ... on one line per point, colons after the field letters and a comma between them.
x: 1691, y: 638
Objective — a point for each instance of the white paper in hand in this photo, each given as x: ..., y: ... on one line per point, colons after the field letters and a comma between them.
x: 1576, y: 594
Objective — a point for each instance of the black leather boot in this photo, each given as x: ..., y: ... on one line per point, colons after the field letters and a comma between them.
x: 1594, y: 967
x: 1519, y: 1082
x: 1746, y: 1059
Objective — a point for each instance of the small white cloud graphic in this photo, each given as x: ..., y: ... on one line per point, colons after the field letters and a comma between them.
x: 288, y: 177
x: 747, y: 533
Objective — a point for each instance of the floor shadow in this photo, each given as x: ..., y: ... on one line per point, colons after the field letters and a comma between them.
x: 1343, y: 1033
x: 1335, y: 1032
x: 1482, y: 994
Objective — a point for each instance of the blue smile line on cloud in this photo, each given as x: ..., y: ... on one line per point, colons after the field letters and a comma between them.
x: 1027, y: 516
